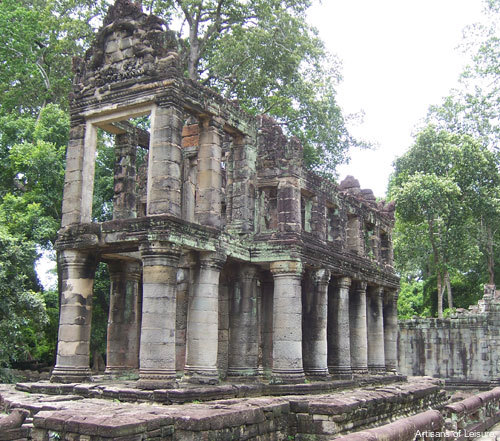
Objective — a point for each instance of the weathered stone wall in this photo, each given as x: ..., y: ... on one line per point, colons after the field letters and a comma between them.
x: 303, y: 417
x: 463, y: 420
x: 463, y: 348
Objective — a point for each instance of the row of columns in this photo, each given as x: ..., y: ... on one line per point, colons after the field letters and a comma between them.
x: 318, y: 327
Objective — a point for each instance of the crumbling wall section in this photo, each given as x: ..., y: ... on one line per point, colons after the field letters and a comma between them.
x: 463, y: 348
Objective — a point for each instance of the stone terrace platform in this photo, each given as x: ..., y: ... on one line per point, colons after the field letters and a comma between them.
x: 95, y: 412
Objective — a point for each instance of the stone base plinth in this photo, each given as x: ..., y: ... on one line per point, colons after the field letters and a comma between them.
x: 340, y: 372
x: 70, y: 375
x: 150, y: 379
x: 201, y: 375
x: 317, y: 373
x: 289, y: 376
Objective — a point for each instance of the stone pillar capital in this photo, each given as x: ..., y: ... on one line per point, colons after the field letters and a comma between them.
x: 321, y: 276
x: 247, y: 272
x: 214, y: 123
x: 360, y: 285
x: 377, y: 292
x: 391, y: 296
x: 120, y: 269
x: 76, y: 258
x: 343, y: 282
x: 187, y: 260
x: 215, y: 260
x: 287, y: 268
x: 160, y: 253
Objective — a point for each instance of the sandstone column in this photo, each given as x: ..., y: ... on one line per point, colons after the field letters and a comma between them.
x: 391, y: 331
x: 315, y: 344
x: 79, y: 177
x: 157, y: 353
x: 203, y: 322
x: 243, y: 325
x: 375, y: 323
x: 243, y: 173
x: 209, y: 178
x: 72, y: 364
x: 184, y: 283
x: 266, y: 325
x: 124, y: 200
x: 124, y: 323
x: 287, y: 321
x: 359, y: 336
x: 165, y: 159
x: 339, y: 346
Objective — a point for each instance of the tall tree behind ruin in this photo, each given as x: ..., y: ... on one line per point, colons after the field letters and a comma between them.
x: 445, y: 186
x: 264, y: 55
x: 474, y: 109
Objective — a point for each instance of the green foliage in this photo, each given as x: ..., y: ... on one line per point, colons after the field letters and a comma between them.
x: 37, y: 41
x: 411, y: 300
x: 22, y: 309
x: 264, y: 55
x: 447, y: 191
x: 100, y: 310
x: 102, y: 205
x: 33, y: 175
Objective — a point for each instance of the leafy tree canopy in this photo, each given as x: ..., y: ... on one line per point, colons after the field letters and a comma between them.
x: 447, y: 191
x: 265, y: 55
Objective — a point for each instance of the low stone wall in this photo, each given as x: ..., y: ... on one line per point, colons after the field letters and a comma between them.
x: 303, y: 417
x: 462, y: 420
x: 462, y: 349
x: 474, y: 414
x: 406, y: 429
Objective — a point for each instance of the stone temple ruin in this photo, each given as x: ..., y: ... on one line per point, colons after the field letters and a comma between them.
x: 227, y: 257
x: 228, y: 261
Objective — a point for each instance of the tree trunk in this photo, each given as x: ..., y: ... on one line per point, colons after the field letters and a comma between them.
x: 440, y: 296
x: 491, y: 257
x: 448, y: 288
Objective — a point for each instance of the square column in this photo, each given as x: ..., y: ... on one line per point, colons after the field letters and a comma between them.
x: 157, y: 353
x: 124, y: 199
x: 209, y: 178
x: 339, y: 346
x: 242, y: 175
x: 391, y: 330
x: 359, y: 336
x: 79, y: 176
x: 73, y: 343
x: 243, y: 325
x: 124, y: 323
x: 375, y: 324
x: 203, y: 322
x: 165, y: 160
x: 314, y: 325
x: 289, y: 215
x: 287, y: 320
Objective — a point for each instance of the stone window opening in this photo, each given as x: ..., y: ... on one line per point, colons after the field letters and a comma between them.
x: 121, y: 149
x: 369, y: 240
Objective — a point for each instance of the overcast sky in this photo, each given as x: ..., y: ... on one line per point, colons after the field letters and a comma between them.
x: 399, y: 57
